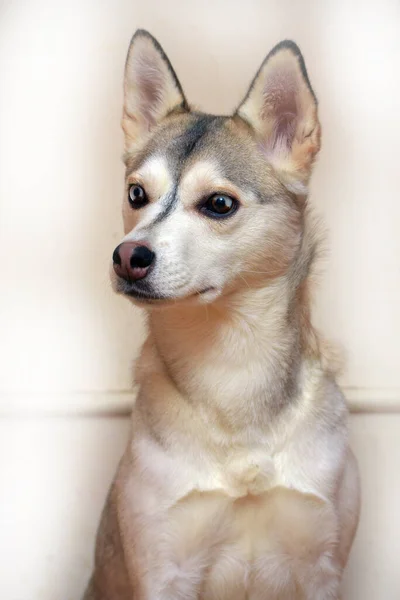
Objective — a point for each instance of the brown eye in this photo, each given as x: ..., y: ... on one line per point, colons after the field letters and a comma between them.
x: 219, y: 205
x: 137, y: 196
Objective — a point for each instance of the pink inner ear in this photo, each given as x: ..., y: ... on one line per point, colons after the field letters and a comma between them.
x: 150, y: 84
x: 280, y: 106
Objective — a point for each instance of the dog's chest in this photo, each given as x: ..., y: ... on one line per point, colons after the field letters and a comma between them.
x: 248, y: 473
x: 244, y: 519
x: 244, y: 547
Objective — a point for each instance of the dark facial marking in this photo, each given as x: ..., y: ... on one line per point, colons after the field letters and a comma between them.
x: 170, y: 204
x: 179, y: 150
x: 191, y: 137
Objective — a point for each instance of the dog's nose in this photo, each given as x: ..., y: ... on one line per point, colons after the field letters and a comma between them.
x: 131, y: 260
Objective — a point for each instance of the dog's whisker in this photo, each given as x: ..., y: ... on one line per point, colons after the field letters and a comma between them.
x: 246, y: 282
x: 257, y: 272
x: 207, y: 315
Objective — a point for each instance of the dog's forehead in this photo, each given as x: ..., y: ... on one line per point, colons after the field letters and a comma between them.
x: 192, y: 142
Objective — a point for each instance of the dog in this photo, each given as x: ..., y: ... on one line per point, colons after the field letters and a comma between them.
x: 238, y: 481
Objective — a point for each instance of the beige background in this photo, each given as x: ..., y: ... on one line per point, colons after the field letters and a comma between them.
x: 67, y: 343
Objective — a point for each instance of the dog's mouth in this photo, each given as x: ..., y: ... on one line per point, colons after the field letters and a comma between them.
x: 143, y: 293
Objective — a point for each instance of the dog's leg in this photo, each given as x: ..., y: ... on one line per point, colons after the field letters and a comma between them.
x: 109, y: 580
x: 348, y: 507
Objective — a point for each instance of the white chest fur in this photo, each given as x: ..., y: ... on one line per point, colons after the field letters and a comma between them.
x: 235, y: 533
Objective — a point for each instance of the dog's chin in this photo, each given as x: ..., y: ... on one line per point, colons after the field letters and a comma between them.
x: 143, y: 294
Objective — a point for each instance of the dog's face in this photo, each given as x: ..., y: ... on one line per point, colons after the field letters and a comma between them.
x: 212, y: 204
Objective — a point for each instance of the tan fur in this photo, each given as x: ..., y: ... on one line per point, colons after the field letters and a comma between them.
x: 238, y: 482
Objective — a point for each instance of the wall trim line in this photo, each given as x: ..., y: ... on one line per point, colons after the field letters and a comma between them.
x: 118, y: 403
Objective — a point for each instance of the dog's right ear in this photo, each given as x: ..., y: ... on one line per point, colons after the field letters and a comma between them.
x: 151, y: 88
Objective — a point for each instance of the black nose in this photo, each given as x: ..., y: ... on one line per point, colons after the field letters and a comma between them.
x: 142, y: 257
x: 132, y: 260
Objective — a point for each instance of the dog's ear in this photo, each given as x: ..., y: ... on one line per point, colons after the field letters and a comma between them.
x: 151, y: 88
x: 281, y: 108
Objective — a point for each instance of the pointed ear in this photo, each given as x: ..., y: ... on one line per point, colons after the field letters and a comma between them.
x: 151, y: 88
x: 281, y: 107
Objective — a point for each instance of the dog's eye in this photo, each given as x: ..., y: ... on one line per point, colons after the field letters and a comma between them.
x: 219, y: 205
x: 137, y: 196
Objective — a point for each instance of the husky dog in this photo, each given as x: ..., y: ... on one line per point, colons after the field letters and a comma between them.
x: 238, y: 482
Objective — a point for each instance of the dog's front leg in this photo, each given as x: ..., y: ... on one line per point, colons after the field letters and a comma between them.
x: 170, y: 548
x: 109, y: 580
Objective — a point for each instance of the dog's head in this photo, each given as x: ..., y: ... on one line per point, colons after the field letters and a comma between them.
x: 212, y: 203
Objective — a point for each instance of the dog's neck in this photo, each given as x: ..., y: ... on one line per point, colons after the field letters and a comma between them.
x: 241, y: 352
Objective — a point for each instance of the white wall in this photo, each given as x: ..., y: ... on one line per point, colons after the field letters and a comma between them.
x: 67, y: 343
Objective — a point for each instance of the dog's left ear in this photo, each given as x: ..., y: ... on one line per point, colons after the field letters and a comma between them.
x: 151, y: 88
x: 281, y: 108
